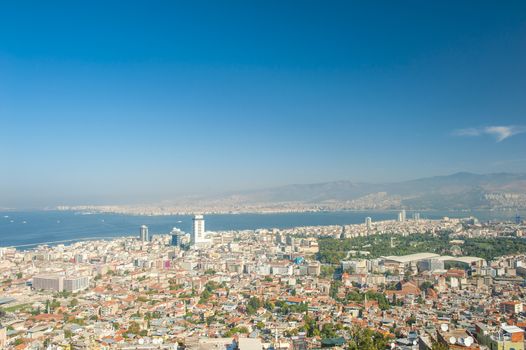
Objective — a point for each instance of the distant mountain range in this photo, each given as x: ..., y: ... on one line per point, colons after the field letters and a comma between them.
x: 457, y: 191
x: 460, y: 191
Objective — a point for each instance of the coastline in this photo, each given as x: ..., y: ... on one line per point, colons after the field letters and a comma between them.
x: 34, y: 227
x: 130, y: 211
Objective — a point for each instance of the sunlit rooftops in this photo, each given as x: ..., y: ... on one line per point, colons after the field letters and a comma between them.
x: 511, y: 329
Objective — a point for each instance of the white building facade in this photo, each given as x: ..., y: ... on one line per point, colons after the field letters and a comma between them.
x: 198, y: 230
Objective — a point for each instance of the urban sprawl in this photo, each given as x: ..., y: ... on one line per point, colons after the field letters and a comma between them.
x: 405, y: 284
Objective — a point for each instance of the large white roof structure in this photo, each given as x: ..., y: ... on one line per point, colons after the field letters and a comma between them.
x: 411, y: 257
x: 404, y: 259
x: 464, y: 259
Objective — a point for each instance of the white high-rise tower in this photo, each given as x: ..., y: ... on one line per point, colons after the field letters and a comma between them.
x: 198, y: 230
x: 402, y: 216
x: 368, y: 222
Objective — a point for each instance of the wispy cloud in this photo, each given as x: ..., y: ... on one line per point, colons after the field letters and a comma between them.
x: 500, y: 133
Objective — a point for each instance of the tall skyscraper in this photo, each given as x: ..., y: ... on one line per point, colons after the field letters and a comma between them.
x: 198, y: 230
x: 177, y: 237
x: 368, y: 222
x: 144, y: 233
x: 401, y: 216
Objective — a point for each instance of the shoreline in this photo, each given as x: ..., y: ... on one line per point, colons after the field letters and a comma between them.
x: 92, y: 211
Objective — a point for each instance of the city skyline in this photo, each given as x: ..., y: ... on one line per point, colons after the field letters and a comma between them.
x: 263, y: 175
x: 110, y: 104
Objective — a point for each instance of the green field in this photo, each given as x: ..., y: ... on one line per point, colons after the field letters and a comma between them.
x: 18, y: 307
x: 332, y: 251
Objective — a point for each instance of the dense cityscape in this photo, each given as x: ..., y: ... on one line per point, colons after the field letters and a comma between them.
x: 401, y: 284
x: 263, y: 175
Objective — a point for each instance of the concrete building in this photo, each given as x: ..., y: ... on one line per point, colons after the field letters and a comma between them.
x: 60, y: 283
x: 403, y: 262
x: 75, y: 284
x: 49, y: 282
x: 314, y: 268
x: 145, y: 237
x: 368, y: 222
x: 456, y: 339
x: 430, y: 265
x: 511, y: 307
x: 402, y: 216
x: 3, y: 337
x: 504, y: 337
x: 250, y: 344
x: 177, y: 237
x: 198, y: 230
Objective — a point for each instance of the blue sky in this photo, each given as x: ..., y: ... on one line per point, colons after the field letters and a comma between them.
x: 106, y: 102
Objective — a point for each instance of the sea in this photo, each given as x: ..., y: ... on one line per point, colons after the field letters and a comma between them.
x: 27, y: 229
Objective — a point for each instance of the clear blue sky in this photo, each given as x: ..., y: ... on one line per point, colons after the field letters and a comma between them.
x: 110, y: 102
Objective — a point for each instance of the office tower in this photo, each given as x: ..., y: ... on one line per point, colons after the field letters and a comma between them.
x: 198, y: 230
x: 177, y: 237
x: 416, y: 216
x: 368, y: 222
x: 401, y: 216
x: 144, y: 233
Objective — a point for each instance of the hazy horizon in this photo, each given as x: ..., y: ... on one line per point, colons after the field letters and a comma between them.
x: 103, y: 103
x: 156, y: 199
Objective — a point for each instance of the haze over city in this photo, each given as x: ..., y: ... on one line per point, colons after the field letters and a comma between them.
x: 105, y: 102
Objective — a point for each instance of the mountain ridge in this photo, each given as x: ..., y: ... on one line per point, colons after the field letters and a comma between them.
x: 458, y: 190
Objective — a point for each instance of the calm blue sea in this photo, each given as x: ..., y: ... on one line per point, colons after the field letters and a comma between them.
x: 31, y: 228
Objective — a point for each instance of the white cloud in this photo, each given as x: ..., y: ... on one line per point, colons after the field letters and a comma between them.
x: 500, y: 133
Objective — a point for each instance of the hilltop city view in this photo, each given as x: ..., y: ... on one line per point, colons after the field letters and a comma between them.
x: 263, y: 175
